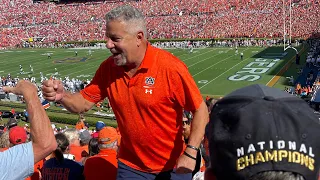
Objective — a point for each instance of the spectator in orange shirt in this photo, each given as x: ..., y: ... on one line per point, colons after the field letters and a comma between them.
x: 75, y: 147
x: 104, y: 164
x: 148, y: 89
x: 80, y: 124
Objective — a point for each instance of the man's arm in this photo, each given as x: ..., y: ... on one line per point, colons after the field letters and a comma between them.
x: 75, y: 103
x: 187, y: 164
x: 43, y: 140
x: 53, y: 91
x: 198, y: 124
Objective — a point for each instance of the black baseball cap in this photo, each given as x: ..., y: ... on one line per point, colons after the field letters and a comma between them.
x: 257, y: 128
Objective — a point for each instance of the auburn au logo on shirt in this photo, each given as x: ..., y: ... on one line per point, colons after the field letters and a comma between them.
x: 149, y: 81
x: 149, y: 84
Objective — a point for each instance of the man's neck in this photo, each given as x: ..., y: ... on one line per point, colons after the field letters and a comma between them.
x: 131, y: 69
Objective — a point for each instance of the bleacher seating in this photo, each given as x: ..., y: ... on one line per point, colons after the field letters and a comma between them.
x: 22, y: 19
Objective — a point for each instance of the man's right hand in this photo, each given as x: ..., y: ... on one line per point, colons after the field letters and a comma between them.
x: 52, y: 90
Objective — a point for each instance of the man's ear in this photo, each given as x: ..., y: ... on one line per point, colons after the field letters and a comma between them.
x: 140, y: 37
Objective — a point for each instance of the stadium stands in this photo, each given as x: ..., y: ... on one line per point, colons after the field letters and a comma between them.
x: 23, y: 19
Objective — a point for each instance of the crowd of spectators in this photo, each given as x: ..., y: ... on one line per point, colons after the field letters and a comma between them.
x: 75, y: 147
x: 81, y: 149
x: 82, y: 154
x: 49, y: 22
x: 71, y: 84
x: 307, y: 84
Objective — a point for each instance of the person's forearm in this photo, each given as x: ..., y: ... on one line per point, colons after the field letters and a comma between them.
x: 199, y: 122
x: 43, y: 140
x: 75, y: 102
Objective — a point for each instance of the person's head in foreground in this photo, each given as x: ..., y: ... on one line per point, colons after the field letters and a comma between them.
x: 263, y: 133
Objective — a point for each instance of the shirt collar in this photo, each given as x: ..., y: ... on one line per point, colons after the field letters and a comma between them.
x: 148, y: 57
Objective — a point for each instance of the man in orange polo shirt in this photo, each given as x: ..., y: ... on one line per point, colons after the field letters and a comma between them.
x: 148, y: 88
x: 104, y: 165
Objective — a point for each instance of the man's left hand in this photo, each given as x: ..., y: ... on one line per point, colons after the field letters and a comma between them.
x: 185, y: 164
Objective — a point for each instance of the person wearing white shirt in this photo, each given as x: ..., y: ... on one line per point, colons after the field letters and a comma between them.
x: 21, y: 158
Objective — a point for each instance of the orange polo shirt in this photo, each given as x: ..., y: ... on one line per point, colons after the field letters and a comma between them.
x: 101, y: 166
x: 148, y: 107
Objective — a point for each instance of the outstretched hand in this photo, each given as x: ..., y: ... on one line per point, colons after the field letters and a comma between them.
x: 52, y: 90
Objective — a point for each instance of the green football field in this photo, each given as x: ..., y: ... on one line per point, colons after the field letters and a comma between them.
x: 217, y: 71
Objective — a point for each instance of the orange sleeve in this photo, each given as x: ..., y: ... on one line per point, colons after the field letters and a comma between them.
x: 185, y: 90
x: 95, y: 91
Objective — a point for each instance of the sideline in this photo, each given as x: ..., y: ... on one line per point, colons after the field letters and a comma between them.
x: 276, y: 78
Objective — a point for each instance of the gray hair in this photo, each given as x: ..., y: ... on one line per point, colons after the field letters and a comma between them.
x: 129, y: 15
x: 108, y: 146
x: 277, y: 175
x: 72, y: 135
